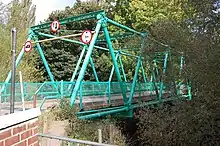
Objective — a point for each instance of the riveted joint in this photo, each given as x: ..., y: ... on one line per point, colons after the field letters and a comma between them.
x: 100, y: 16
x: 104, y: 23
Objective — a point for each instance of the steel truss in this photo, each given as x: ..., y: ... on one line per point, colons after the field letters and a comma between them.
x: 154, y: 84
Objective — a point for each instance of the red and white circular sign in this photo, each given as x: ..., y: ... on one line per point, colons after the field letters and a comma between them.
x: 55, y: 25
x: 86, y: 36
x: 28, y: 46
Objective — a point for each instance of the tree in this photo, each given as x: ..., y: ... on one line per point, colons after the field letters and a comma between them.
x: 194, y: 122
x: 67, y: 54
x: 21, y: 15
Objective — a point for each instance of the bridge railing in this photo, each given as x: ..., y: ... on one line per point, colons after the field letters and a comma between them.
x: 64, y: 89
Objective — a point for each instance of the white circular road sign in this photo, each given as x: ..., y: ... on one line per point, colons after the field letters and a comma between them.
x: 55, y: 25
x: 86, y: 36
x: 28, y: 46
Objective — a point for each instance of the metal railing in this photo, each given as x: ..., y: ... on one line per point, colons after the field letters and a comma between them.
x: 70, y: 142
x: 47, y: 89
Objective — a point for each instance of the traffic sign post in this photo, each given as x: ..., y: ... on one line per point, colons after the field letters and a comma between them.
x: 28, y: 46
x: 86, y: 36
x: 55, y: 25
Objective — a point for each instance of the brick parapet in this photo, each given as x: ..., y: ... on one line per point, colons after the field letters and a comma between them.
x: 21, y: 132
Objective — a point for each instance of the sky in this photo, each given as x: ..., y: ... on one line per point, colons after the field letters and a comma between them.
x: 45, y: 7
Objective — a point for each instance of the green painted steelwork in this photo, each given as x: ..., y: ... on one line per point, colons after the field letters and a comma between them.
x: 92, y: 15
x: 117, y: 36
x: 164, y: 71
x: 61, y: 89
x: 122, y: 68
x: 77, y: 66
x: 181, y: 63
x: 115, y: 98
x: 85, y: 63
x: 94, y: 70
x: 44, y: 61
x: 134, y: 81
x: 110, y: 79
x: 124, y: 27
x: 143, y: 73
x: 80, y: 43
x: 111, y: 50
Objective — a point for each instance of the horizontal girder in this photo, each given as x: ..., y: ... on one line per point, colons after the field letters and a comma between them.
x: 91, y: 15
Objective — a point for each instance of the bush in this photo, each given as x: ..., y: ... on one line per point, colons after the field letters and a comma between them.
x: 86, y: 129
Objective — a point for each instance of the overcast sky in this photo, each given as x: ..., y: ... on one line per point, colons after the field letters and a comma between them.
x: 45, y: 7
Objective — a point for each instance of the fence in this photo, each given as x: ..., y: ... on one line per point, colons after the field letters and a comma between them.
x: 62, y: 89
x: 68, y: 141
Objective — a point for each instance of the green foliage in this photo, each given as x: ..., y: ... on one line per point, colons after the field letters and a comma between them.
x: 193, y: 123
x: 187, y: 26
x: 19, y: 14
x: 142, y: 14
x: 190, y: 27
x: 21, y: 11
x: 86, y: 129
x: 149, y: 12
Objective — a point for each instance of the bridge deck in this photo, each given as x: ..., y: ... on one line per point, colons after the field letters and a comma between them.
x: 89, y: 102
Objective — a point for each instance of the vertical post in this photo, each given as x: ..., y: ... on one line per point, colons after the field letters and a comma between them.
x: 100, y: 135
x: 22, y: 90
x: 85, y: 63
x: 144, y: 76
x: 109, y: 93
x: 134, y: 81
x: 181, y: 68
x: 5, y: 86
x: 143, y: 73
x: 189, y: 90
x: 164, y: 71
x: 34, y: 101
x: 111, y: 50
x: 113, y: 68
x: 122, y: 68
x: 77, y: 67
x: 181, y: 63
x: 17, y: 63
x: 110, y: 79
x: 12, y: 100
x: 25, y: 89
x: 151, y: 84
x: 80, y: 97
x: 94, y: 70
x: 155, y: 85
x: 61, y: 88
x: 155, y: 64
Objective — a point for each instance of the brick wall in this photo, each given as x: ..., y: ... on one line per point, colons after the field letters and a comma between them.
x: 23, y: 134
x: 19, y: 133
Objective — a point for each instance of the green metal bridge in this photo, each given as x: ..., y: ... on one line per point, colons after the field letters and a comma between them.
x: 148, y: 86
